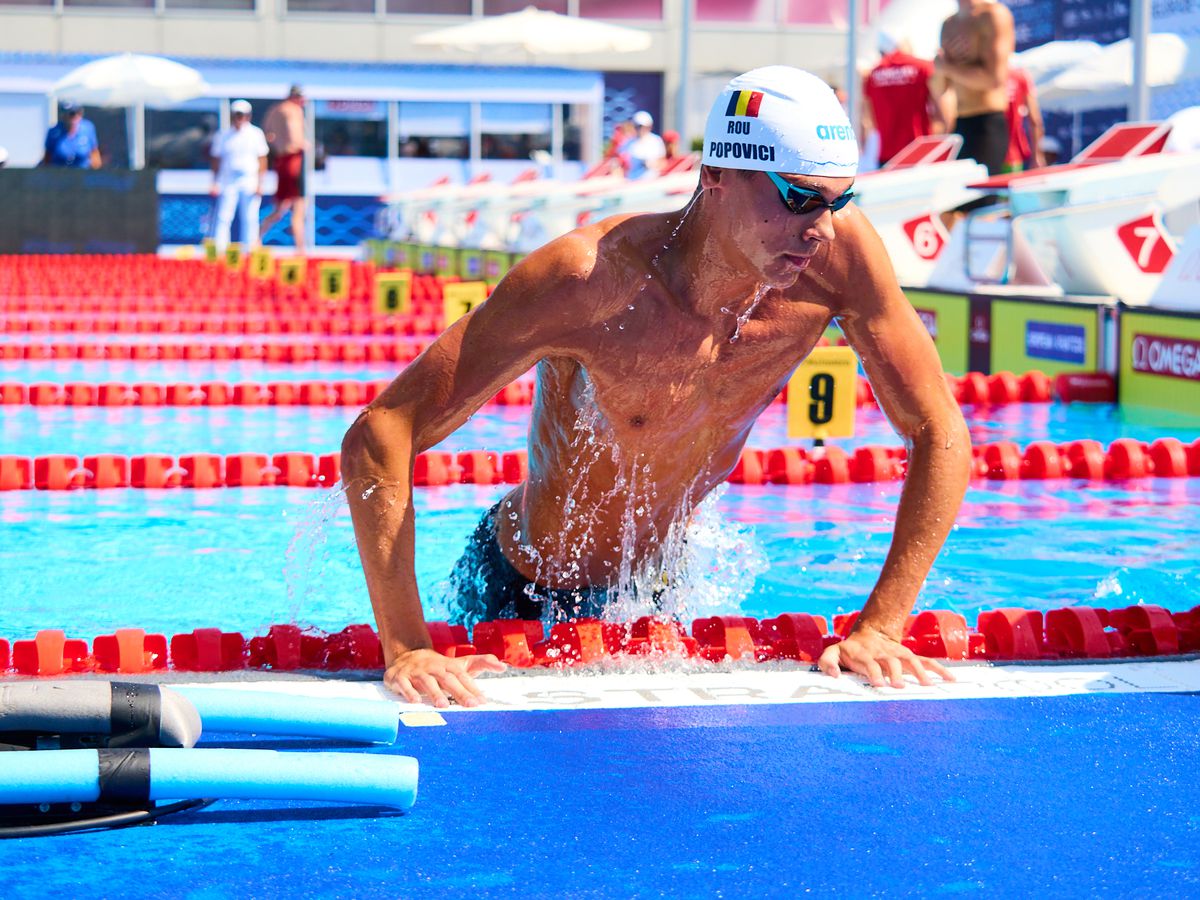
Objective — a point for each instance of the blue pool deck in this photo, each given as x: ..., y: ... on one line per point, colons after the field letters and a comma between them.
x: 1048, y: 781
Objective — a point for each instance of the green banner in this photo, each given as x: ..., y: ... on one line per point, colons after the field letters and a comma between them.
x: 470, y: 265
x: 496, y: 264
x: 1160, y: 362
x: 946, y: 318
x: 1051, y: 337
x: 445, y: 261
x: 426, y: 259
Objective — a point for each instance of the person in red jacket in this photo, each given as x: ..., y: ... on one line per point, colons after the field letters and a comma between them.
x: 900, y: 103
x: 1025, y: 128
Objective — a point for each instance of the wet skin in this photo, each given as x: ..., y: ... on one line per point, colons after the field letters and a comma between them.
x: 677, y: 397
x: 976, y: 44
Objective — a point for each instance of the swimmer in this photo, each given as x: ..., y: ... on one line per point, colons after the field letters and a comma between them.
x: 972, y: 63
x: 678, y: 329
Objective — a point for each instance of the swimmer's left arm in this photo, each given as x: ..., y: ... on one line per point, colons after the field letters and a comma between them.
x: 906, y: 374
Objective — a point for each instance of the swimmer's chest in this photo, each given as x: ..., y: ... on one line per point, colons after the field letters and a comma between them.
x: 670, y: 375
x: 962, y: 39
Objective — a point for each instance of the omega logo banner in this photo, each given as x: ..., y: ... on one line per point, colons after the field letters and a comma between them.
x: 1160, y: 361
x: 1159, y: 355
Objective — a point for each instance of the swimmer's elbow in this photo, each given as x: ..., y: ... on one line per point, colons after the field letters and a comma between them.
x: 946, y: 434
x: 375, y: 446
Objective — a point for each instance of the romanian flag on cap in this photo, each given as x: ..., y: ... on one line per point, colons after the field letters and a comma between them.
x: 744, y: 103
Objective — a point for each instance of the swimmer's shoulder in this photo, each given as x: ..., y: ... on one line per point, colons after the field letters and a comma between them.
x: 855, y: 268
x: 570, y: 278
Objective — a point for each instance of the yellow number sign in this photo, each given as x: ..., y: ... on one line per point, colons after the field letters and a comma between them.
x: 262, y: 264
x: 461, y: 297
x: 822, y: 394
x: 291, y: 271
x: 233, y: 257
x: 333, y: 280
x: 393, y: 292
x: 210, y: 251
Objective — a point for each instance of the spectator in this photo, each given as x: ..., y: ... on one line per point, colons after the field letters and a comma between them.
x: 72, y: 143
x: 1025, y: 127
x: 284, y: 127
x: 239, y: 162
x: 670, y: 146
x: 977, y: 42
x: 644, y: 153
x: 1185, y: 131
x: 900, y: 102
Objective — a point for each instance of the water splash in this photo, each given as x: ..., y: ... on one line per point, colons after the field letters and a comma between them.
x: 1130, y: 587
x: 759, y: 292
x: 309, y: 554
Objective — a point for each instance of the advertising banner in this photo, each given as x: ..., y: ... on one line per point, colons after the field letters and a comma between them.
x: 946, y: 319
x: 1046, y: 336
x: 1160, y: 361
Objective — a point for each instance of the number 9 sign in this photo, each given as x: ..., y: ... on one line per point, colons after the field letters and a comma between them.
x: 822, y: 394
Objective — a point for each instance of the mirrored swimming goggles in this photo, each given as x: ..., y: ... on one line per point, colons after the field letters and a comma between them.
x: 803, y: 201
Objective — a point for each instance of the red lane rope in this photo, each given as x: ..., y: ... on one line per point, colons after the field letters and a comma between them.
x: 428, y: 324
x: 148, y: 283
x: 1072, y: 633
x: 1001, y: 461
x: 994, y: 390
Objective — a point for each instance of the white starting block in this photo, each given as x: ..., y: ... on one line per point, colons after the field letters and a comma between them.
x: 905, y: 201
x: 1101, y: 224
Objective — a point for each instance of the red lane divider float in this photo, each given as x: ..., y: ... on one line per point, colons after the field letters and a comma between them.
x: 146, y: 283
x: 1033, y: 387
x: 284, y: 322
x: 1071, y: 633
x: 1003, y: 461
x: 216, y: 393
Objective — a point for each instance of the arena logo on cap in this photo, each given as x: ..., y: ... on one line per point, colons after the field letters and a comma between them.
x: 835, y: 132
x: 744, y: 103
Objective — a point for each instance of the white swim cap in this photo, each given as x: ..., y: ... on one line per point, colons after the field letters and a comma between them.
x: 780, y: 119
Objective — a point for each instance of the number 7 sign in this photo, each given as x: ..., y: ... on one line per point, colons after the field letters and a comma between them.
x: 1148, y: 243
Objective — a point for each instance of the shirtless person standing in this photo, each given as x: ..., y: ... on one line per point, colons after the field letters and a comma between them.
x: 976, y: 44
x: 663, y: 337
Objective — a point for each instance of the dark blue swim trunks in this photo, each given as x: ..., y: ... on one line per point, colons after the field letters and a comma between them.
x: 486, y: 586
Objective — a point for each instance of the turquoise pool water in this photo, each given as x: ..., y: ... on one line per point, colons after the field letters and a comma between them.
x: 170, y: 561
x: 38, y: 431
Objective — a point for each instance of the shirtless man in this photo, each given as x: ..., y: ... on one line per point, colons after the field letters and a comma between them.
x: 665, y: 335
x: 977, y: 42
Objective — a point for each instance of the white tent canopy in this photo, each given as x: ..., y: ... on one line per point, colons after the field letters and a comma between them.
x: 1106, y: 78
x: 1047, y: 60
x: 130, y: 79
x: 536, y: 32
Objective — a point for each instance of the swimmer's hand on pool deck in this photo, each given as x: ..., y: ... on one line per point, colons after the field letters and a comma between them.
x: 425, y: 674
x: 880, y: 658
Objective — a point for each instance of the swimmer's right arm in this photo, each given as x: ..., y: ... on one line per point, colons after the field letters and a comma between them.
x: 528, y: 317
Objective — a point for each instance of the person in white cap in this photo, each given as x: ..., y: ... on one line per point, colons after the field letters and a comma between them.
x: 239, y: 162
x: 658, y: 339
x: 644, y: 152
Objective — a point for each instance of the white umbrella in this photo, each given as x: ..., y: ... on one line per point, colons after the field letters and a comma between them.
x: 1106, y: 79
x: 537, y: 32
x: 130, y: 79
x: 1047, y: 60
